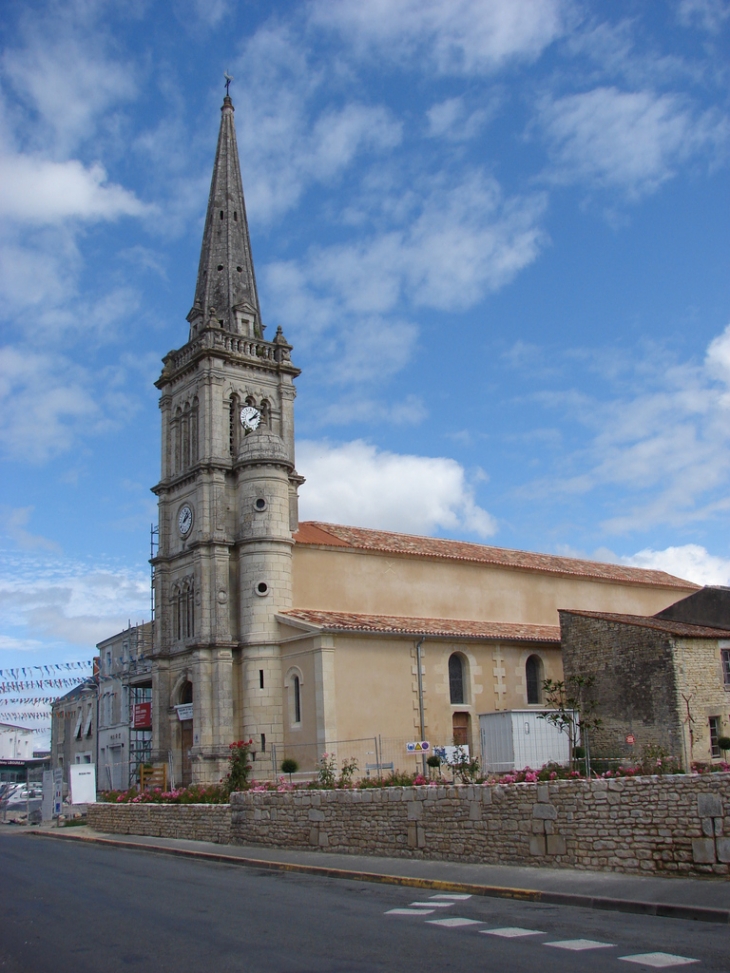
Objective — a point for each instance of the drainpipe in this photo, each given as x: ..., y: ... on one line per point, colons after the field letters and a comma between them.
x: 420, y: 699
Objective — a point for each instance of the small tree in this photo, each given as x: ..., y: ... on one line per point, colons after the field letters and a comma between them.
x: 240, y: 766
x: 289, y: 766
x: 434, y: 762
x: 573, y: 712
x: 724, y: 744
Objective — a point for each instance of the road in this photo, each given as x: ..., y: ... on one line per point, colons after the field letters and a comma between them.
x: 65, y: 906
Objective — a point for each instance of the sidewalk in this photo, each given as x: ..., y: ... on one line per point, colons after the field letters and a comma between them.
x: 682, y: 898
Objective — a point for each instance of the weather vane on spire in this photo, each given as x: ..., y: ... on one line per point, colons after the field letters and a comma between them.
x: 228, y: 78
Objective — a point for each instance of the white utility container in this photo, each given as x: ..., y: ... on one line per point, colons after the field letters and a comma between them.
x: 518, y: 738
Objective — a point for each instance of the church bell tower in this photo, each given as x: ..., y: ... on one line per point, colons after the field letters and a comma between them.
x: 227, y: 501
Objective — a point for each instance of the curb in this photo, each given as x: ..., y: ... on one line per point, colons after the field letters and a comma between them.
x: 663, y: 909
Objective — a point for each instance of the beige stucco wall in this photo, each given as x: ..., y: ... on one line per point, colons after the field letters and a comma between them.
x: 358, y: 688
x: 391, y: 584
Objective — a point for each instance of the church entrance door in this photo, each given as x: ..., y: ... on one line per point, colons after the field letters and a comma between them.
x: 186, y: 736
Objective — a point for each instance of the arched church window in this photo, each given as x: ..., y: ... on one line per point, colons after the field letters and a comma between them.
x: 194, y: 431
x: 233, y: 423
x: 533, y: 679
x: 177, y: 441
x: 186, y: 693
x: 456, y: 678
x: 297, y: 699
x: 186, y: 437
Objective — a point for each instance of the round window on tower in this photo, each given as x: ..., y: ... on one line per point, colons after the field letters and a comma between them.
x: 260, y: 504
x: 261, y: 589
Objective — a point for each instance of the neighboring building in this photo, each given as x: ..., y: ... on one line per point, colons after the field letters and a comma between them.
x: 16, y: 742
x: 301, y: 636
x: 17, y: 756
x: 73, y: 727
x: 125, y: 711
x: 660, y: 680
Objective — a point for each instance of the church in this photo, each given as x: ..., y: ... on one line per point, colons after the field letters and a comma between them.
x: 315, y: 637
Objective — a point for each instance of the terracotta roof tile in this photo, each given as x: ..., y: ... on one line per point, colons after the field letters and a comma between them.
x: 658, y: 624
x: 335, y: 535
x: 445, y: 627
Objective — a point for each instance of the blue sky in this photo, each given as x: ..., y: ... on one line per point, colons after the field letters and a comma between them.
x: 495, y: 231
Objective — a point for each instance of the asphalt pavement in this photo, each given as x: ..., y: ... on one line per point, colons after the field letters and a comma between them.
x: 80, y: 906
x: 705, y: 899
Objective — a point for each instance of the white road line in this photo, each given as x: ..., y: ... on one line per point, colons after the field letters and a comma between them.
x: 659, y: 960
x: 455, y: 897
x: 452, y: 923
x: 512, y: 932
x: 579, y: 944
x: 434, y: 905
x: 409, y: 912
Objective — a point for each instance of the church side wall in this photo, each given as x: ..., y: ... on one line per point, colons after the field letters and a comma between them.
x: 647, y: 825
x: 391, y: 584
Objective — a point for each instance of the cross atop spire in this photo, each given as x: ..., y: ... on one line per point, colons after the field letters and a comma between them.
x: 225, y: 293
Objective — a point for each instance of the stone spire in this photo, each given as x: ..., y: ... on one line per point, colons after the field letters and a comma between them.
x: 225, y: 293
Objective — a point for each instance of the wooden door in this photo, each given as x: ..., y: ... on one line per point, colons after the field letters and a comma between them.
x: 186, y: 737
x: 461, y: 729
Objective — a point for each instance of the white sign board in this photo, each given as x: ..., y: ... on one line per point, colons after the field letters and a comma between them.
x: 184, y: 711
x: 48, y: 791
x: 452, y: 755
x: 421, y: 746
x: 82, y: 781
x: 57, y: 791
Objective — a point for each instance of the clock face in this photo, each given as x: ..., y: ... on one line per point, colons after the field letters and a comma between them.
x: 185, y: 520
x: 250, y: 418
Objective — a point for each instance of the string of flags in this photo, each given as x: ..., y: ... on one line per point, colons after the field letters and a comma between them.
x: 17, y: 687
x: 24, y: 672
x: 27, y: 701
x: 26, y: 716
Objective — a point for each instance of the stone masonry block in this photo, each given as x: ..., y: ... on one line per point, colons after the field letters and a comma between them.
x: 708, y: 828
x: 703, y: 851
x: 709, y: 805
x: 543, y: 794
x: 475, y: 811
x: 415, y: 810
x: 548, y: 812
x: 556, y: 844
x: 315, y: 815
x: 723, y: 849
x: 537, y: 845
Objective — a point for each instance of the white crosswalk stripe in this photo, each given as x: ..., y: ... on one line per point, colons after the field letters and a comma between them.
x: 454, y: 896
x: 579, y: 944
x: 453, y: 922
x: 434, y: 905
x: 512, y: 932
x: 410, y: 912
x: 660, y: 961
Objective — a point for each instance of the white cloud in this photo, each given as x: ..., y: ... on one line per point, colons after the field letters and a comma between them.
x: 289, y: 135
x: 709, y: 15
x: 459, y: 37
x: 15, y: 522
x: 632, y: 140
x: 689, y: 561
x: 58, y: 600
x: 451, y: 119
x: 38, y: 191
x: 665, y: 442
x: 61, y: 68
x: 356, y: 483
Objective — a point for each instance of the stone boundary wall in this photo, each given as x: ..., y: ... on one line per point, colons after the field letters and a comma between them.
x: 669, y: 825
x: 196, y: 822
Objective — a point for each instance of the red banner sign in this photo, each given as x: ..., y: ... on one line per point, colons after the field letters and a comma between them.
x: 142, y: 716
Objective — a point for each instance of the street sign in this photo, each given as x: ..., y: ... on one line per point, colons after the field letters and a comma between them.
x: 630, y: 739
x: 420, y: 746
